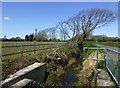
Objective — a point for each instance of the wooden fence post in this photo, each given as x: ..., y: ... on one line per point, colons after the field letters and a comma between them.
x: 44, y: 47
x: 34, y: 47
x: 50, y: 46
x: 21, y: 50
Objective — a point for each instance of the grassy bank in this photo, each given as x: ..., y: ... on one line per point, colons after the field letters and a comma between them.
x: 18, y: 61
x: 113, y: 44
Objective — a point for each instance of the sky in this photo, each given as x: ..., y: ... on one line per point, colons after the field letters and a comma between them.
x: 21, y: 18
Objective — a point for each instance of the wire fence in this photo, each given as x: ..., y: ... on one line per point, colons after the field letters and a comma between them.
x: 26, y: 48
x: 95, y: 57
x: 113, y: 64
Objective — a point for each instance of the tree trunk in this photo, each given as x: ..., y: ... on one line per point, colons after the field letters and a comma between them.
x: 80, y: 52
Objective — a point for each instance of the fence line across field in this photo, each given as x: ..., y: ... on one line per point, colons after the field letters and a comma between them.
x: 24, y: 45
x: 44, y: 46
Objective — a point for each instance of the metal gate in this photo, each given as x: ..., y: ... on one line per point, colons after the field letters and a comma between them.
x: 112, y: 62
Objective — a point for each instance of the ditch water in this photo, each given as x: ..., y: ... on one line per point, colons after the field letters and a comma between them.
x: 70, y: 78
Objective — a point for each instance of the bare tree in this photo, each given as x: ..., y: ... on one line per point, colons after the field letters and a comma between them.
x: 64, y: 33
x: 82, y: 24
x: 42, y: 35
x: 52, y: 33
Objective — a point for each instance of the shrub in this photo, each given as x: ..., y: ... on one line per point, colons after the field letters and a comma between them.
x: 101, y: 64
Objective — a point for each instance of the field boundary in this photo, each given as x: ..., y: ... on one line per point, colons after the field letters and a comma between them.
x: 24, y: 45
x: 33, y: 50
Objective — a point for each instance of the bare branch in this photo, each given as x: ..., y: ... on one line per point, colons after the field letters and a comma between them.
x: 82, y: 24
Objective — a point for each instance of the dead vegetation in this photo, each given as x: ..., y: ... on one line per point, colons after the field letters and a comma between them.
x: 87, y: 73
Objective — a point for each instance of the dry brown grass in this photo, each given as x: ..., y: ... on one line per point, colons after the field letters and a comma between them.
x: 86, y: 74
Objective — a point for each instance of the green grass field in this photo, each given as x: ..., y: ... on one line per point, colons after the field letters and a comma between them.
x: 26, y: 48
x: 113, y: 44
x: 7, y: 60
x: 51, y: 44
x: 18, y: 61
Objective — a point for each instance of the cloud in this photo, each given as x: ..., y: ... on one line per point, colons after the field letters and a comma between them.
x: 7, y: 18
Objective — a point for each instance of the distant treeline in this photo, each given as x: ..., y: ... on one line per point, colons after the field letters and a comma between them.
x: 13, y: 39
x: 103, y: 39
x: 30, y: 38
x: 92, y: 38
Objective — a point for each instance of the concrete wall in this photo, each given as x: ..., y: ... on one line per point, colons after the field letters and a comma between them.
x: 35, y: 72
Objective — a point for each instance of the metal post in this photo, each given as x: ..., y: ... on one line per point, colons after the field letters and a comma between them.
x: 96, y: 68
x: 97, y: 60
x: 105, y: 57
x: 118, y: 70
